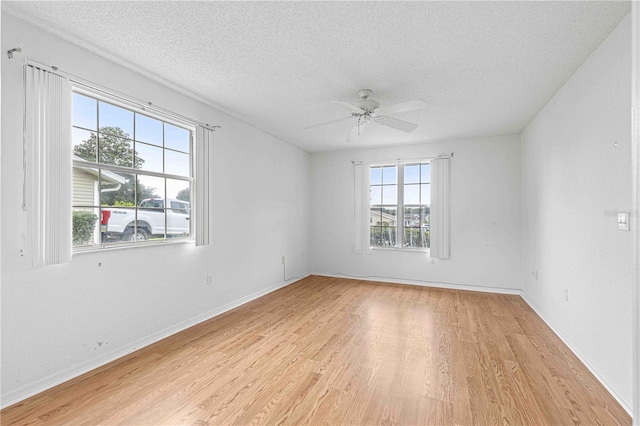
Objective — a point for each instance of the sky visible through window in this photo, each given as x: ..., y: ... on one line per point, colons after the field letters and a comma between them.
x: 147, y: 141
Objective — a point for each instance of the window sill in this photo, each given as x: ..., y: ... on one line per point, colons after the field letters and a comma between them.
x: 101, y: 248
x: 404, y: 250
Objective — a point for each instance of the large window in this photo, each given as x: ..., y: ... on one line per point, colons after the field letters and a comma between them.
x: 132, y: 174
x: 400, y: 205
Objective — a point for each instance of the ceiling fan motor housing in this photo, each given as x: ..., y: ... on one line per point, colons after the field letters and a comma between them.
x: 369, y: 105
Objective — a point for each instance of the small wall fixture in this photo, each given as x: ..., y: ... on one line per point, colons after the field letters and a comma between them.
x: 10, y: 52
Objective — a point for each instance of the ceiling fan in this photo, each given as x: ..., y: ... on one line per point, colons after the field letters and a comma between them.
x: 367, y: 110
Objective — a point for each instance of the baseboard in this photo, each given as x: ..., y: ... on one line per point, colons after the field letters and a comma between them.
x: 56, y: 379
x: 437, y: 284
x: 622, y: 401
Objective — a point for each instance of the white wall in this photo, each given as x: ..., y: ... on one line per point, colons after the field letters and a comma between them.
x: 576, y: 173
x: 61, y: 320
x: 485, y: 216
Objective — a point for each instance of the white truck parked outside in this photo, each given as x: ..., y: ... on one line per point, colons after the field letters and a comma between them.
x: 120, y: 223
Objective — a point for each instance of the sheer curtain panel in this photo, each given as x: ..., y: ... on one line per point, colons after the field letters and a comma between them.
x: 202, y: 182
x: 440, y: 227
x: 362, y: 197
x: 47, y: 138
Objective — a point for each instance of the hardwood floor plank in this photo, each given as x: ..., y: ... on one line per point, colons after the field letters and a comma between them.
x: 338, y: 351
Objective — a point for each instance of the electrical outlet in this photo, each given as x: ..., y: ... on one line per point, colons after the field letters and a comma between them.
x: 566, y: 294
x: 209, y: 279
x: 534, y: 274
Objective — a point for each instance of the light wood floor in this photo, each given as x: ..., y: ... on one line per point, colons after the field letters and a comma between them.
x: 337, y: 351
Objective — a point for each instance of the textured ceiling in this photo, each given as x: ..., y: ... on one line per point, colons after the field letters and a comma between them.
x: 483, y: 68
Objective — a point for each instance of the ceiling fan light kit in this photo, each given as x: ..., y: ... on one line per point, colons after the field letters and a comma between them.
x: 368, y: 110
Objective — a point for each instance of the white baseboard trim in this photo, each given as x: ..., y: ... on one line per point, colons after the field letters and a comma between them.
x: 621, y: 400
x: 41, y: 385
x: 451, y: 286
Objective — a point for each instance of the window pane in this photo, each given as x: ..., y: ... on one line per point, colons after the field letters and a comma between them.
x: 425, y: 194
x: 117, y: 189
x: 416, y: 238
x: 178, y: 190
x: 148, y: 130
x: 113, y: 150
x: 389, y: 175
x: 84, y: 180
x: 383, y: 229
x: 425, y: 218
x: 176, y: 163
x: 412, y: 173
x: 84, y: 144
x: 376, y: 176
x: 85, y: 112
x: 389, y: 216
x: 376, y: 195
x: 412, y: 194
x: 375, y: 216
x: 425, y: 173
x: 150, y: 187
x: 148, y: 157
x: 390, y: 194
x: 84, y: 226
x: 176, y: 138
x: 117, y: 224
x: 382, y: 236
x: 179, y: 213
x: 115, y: 120
x: 412, y: 216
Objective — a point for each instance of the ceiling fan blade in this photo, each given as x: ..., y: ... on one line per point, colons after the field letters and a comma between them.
x: 351, y: 107
x: 404, y: 107
x: 326, y: 123
x: 394, y: 123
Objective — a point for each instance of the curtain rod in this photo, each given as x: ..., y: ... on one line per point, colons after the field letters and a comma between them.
x: 400, y: 160
x: 145, y: 105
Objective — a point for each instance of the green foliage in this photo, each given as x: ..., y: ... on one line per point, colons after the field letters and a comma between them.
x: 184, y: 195
x: 114, y: 146
x: 385, y: 236
x: 82, y: 228
x: 417, y: 238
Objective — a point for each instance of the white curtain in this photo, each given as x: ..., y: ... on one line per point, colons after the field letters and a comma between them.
x: 362, y: 198
x: 202, y: 183
x: 47, y: 135
x: 440, y: 195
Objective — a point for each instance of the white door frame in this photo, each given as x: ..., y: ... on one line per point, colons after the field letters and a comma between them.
x: 635, y: 220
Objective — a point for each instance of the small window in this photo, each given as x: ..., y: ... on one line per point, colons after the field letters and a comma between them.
x: 128, y: 167
x: 400, y: 206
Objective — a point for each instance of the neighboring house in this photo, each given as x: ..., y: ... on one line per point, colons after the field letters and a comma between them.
x: 413, y: 220
x: 378, y: 218
x: 85, y: 186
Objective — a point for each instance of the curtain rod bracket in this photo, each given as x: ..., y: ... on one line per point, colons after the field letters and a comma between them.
x: 10, y: 52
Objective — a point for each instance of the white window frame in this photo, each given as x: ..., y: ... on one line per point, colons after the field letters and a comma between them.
x: 116, y: 100
x: 400, y: 204
x: 48, y: 164
x: 440, y: 210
